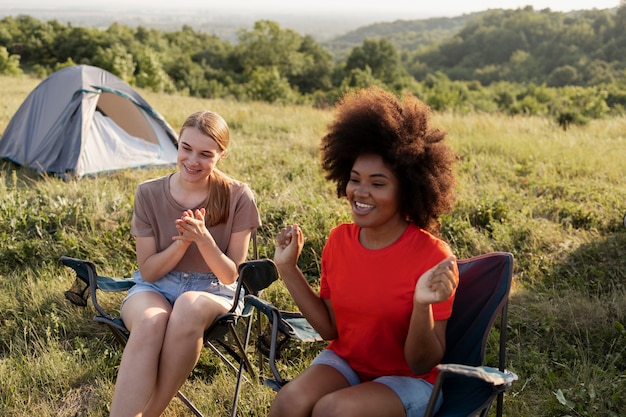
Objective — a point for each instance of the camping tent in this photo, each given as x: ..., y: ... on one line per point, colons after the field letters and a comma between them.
x: 83, y: 120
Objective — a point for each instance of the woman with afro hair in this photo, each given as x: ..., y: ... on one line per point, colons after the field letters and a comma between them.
x: 387, y: 279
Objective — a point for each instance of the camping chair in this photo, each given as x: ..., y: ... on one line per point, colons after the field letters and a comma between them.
x: 254, y: 276
x: 468, y: 387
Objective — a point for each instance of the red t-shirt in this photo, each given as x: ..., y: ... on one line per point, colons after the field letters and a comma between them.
x: 371, y: 292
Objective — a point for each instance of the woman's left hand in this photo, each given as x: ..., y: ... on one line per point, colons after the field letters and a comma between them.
x: 438, y: 283
x: 191, y: 226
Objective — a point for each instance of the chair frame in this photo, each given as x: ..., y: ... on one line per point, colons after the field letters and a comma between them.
x: 254, y: 276
x: 501, y: 309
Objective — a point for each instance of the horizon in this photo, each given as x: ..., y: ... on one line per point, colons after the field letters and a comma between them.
x: 322, y: 19
x: 391, y: 9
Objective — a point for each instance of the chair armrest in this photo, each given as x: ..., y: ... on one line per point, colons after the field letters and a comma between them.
x: 488, y: 374
x: 86, y: 273
x: 291, y: 323
x: 499, y: 380
x: 263, y: 305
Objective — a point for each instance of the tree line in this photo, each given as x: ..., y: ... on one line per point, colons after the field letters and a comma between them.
x: 571, y: 67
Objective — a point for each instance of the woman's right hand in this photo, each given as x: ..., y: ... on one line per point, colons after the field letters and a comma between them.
x: 289, y: 243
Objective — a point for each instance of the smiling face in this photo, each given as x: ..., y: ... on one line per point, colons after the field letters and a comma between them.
x: 373, y: 193
x: 198, y: 155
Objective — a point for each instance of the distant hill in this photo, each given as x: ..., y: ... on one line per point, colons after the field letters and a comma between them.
x: 225, y: 24
x: 406, y: 35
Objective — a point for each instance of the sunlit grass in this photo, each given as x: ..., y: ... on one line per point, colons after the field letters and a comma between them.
x: 554, y: 198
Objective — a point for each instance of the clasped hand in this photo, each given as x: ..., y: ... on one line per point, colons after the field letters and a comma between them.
x: 438, y: 283
x: 191, y: 226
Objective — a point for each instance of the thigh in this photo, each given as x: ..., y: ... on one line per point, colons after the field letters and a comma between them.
x: 199, y: 308
x: 145, y: 306
x: 368, y: 399
x: 300, y: 395
x: 413, y: 392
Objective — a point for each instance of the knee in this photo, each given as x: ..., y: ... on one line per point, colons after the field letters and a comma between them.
x: 290, y: 403
x: 332, y: 406
x: 150, y: 327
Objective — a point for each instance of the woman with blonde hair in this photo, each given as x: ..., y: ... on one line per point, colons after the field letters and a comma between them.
x: 192, y: 229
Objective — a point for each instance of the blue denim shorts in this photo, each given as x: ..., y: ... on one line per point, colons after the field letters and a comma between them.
x: 174, y: 283
x: 413, y: 392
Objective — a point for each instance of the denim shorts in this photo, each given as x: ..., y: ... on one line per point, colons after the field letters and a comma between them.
x: 175, y: 283
x: 413, y: 392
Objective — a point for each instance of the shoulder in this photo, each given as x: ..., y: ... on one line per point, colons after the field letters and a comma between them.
x: 343, y: 231
x: 152, y: 189
x: 240, y: 190
x: 343, y: 228
x: 427, y: 240
x: 238, y: 186
x: 154, y: 183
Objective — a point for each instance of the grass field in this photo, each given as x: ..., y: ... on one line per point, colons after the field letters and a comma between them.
x: 554, y: 198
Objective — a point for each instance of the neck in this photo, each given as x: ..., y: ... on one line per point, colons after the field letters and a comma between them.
x: 189, y: 187
x: 381, y: 237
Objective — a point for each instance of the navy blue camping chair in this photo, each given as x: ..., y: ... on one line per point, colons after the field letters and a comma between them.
x: 468, y: 387
x: 254, y: 276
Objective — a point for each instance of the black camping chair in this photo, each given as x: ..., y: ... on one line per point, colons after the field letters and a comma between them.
x: 284, y: 326
x: 468, y: 387
x: 254, y: 276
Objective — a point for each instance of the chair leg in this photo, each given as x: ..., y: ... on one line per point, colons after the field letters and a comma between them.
x: 189, y: 404
x: 242, y: 346
x: 244, y: 364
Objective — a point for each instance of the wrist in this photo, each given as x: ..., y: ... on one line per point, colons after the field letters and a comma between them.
x: 286, y: 268
x: 421, y: 307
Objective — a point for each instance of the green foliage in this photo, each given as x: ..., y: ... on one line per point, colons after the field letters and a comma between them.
x: 150, y: 73
x: 9, y: 64
x: 527, y: 46
x: 521, y: 61
x: 266, y: 84
x: 117, y: 60
x: 380, y: 56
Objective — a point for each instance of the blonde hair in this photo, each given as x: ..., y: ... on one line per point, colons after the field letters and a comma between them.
x: 215, y: 127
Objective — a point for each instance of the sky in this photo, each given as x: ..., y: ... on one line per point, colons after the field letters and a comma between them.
x: 398, y: 9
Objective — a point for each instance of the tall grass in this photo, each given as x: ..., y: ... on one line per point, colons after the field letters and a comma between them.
x: 554, y: 198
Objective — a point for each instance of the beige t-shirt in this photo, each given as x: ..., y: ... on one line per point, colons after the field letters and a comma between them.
x: 156, y: 210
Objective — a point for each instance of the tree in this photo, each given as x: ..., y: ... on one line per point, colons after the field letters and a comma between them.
x: 9, y: 64
x: 380, y: 56
x: 562, y: 76
x: 78, y: 43
x: 267, y: 45
x: 300, y: 60
x: 117, y: 60
x: 266, y: 84
x: 316, y: 70
x: 151, y: 74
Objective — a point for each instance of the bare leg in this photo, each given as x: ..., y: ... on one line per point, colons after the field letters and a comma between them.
x: 193, y: 312
x: 146, y: 313
x: 369, y: 399
x: 298, y: 397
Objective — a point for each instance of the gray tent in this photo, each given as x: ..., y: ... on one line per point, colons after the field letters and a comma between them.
x: 83, y: 120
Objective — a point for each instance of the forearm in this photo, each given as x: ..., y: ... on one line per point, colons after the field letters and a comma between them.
x: 424, y: 346
x: 155, y: 266
x: 309, y: 303
x: 224, y: 268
